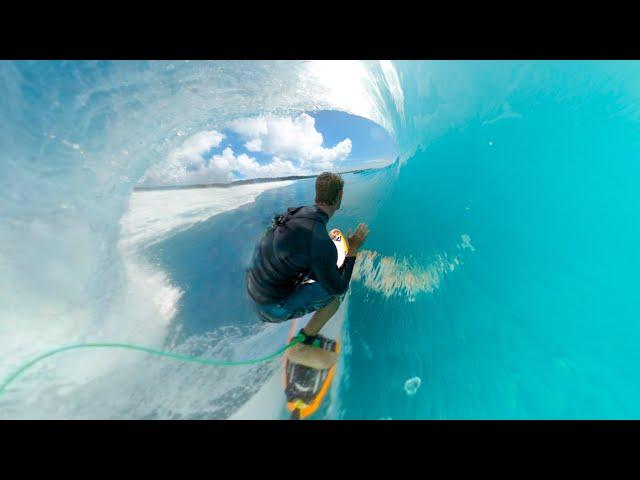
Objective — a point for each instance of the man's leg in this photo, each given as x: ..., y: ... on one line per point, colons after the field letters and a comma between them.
x: 321, y: 317
x: 312, y: 356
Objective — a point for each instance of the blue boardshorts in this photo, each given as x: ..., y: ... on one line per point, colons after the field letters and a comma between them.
x: 306, y: 298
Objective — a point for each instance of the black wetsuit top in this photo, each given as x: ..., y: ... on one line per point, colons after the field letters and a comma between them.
x: 296, y: 247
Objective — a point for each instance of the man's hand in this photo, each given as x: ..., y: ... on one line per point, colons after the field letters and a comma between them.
x: 357, y: 239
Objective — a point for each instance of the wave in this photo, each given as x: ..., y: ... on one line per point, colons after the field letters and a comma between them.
x: 79, y: 136
x: 76, y: 145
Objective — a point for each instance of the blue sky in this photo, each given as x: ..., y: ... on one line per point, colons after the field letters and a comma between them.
x: 369, y: 140
x: 271, y: 146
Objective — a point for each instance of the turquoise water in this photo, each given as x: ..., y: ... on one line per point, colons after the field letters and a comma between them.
x: 542, y: 320
x: 510, y: 223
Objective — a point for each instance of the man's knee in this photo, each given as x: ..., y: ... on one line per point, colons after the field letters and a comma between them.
x: 335, y: 302
x: 330, y: 304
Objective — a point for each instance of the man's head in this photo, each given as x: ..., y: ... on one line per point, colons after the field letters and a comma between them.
x: 329, y: 189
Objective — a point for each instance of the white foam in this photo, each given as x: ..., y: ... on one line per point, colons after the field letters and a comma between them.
x: 106, y: 383
x: 152, y: 215
x: 506, y: 114
x: 412, y: 385
x: 400, y: 276
x: 340, y: 83
x: 466, y: 242
x: 393, y: 82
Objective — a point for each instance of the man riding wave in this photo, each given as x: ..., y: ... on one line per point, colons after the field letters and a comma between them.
x: 298, y: 248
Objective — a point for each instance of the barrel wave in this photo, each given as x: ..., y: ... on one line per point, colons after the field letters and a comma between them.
x: 498, y: 281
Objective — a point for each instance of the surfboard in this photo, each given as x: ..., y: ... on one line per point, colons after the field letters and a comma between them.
x: 305, y: 388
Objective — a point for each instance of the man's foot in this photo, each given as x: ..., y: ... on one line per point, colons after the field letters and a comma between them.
x: 312, y: 357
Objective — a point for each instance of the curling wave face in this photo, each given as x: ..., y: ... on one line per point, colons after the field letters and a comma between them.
x: 501, y: 169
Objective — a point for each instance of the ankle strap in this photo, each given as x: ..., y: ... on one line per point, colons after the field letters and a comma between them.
x: 312, y: 340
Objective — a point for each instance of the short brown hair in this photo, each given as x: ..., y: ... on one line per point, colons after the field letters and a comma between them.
x: 328, y: 187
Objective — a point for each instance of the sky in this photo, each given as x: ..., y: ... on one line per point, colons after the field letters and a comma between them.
x: 275, y: 146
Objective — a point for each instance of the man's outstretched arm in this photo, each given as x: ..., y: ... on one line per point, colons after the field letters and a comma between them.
x: 323, y: 263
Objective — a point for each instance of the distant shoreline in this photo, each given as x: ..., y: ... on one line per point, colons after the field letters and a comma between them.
x: 250, y: 181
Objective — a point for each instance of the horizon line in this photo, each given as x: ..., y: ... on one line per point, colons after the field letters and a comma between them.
x: 251, y: 181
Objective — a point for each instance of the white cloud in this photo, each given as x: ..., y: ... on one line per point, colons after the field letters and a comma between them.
x: 254, y: 145
x: 248, y: 166
x: 186, y: 163
x: 200, y: 143
x: 294, y: 144
x: 295, y: 139
x: 193, y: 168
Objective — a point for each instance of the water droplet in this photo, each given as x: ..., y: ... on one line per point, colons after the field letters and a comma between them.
x: 412, y: 385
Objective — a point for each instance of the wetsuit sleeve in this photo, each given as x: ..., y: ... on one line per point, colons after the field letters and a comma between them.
x: 323, y: 263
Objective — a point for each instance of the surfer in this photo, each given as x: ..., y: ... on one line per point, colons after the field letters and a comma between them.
x: 295, y: 249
